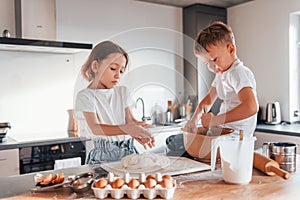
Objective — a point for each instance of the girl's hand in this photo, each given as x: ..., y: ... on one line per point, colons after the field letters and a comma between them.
x: 206, y: 119
x: 190, y: 127
x: 144, y: 124
x: 146, y: 142
x: 142, y: 135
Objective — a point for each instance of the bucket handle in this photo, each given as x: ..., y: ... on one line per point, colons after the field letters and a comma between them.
x: 214, y: 151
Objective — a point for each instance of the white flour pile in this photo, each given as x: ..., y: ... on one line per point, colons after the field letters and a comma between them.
x: 145, y: 161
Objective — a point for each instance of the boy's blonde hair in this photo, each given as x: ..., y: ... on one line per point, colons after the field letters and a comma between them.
x: 214, y: 34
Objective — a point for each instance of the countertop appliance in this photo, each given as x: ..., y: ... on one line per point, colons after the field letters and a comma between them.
x: 4, y: 126
x: 42, y: 157
x: 273, y: 113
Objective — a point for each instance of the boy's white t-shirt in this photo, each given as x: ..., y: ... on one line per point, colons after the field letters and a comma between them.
x: 228, y: 84
x: 108, y: 104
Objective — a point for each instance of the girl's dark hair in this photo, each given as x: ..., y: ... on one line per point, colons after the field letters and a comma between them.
x: 99, y: 53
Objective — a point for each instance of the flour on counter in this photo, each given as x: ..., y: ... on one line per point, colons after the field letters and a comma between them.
x: 145, y: 161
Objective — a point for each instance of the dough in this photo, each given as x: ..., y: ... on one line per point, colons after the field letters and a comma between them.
x: 145, y: 161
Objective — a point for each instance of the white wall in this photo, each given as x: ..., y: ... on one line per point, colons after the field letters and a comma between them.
x: 151, y: 33
x: 37, y: 88
x: 261, y: 29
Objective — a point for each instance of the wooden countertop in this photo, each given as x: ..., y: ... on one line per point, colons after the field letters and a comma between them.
x: 205, y: 185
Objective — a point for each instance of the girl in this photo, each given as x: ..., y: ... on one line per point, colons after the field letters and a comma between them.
x: 103, y: 108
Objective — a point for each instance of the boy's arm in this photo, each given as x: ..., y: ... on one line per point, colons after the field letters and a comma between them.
x: 245, y: 109
x: 206, y: 102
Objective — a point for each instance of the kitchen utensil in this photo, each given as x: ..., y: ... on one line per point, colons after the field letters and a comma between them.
x: 282, y: 152
x: 268, y: 166
x: 198, y: 144
x: 72, y: 125
x: 236, y: 158
x: 5, y: 33
x: 273, y: 113
x: 83, y: 182
x: 209, y: 132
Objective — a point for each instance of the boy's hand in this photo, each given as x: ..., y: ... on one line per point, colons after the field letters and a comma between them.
x: 206, y: 119
x: 190, y: 127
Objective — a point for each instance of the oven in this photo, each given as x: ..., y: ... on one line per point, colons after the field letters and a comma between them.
x: 42, y: 157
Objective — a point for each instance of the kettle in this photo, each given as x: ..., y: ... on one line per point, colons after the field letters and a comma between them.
x: 273, y: 114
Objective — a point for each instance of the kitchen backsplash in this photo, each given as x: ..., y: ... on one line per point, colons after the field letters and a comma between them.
x: 36, y: 91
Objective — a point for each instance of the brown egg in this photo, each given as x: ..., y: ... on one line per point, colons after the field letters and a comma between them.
x: 133, y: 184
x: 47, y: 180
x: 118, y: 183
x: 58, y: 178
x: 101, y: 183
x: 151, y: 176
x: 167, y: 177
x: 166, y: 183
x: 150, y: 183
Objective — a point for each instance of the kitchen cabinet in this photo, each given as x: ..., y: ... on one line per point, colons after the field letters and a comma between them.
x: 29, y: 26
x: 7, y: 16
x: 9, y: 162
x: 199, y: 78
x: 271, y: 137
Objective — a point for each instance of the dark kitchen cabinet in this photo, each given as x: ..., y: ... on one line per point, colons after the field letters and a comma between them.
x: 195, y: 18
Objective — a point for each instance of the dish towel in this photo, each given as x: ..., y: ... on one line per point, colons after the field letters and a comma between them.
x: 66, y: 163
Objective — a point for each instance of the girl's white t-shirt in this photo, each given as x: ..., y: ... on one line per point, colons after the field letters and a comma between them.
x: 108, y: 104
x: 228, y: 84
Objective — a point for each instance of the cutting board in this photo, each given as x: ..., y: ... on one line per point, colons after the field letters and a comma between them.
x: 178, y: 165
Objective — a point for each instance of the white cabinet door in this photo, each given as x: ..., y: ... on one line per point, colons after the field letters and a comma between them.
x: 38, y: 19
x: 9, y: 162
x: 7, y: 17
x: 271, y: 137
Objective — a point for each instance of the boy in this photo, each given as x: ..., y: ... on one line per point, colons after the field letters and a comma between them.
x: 234, y: 83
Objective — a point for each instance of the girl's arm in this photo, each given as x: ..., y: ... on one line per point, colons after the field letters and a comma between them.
x: 131, y: 119
x: 112, y: 130
x: 247, y: 108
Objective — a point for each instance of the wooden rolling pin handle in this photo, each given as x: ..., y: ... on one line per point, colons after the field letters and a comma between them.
x: 279, y: 172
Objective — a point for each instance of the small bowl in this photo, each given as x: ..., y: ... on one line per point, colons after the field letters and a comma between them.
x: 83, y: 182
x: 198, y: 145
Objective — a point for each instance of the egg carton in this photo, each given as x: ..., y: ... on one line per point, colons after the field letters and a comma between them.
x: 149, y: 193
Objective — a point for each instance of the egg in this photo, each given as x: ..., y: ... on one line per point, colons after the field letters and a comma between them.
x: 101, y: 183
x: 47, y: 179
x: 167, y: 177
x: 58, y: 178
x: 118, y: 183
x: 151, y: 176
x: 150, y: 183
x: 133, y: 184
x: 166, y: 183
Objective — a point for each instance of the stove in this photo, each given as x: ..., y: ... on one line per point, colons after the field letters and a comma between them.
x: 42, y: 157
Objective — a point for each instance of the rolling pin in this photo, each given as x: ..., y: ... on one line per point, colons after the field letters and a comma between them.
x: 269, y: 166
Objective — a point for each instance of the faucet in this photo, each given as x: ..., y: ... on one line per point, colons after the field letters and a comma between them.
x: 143, y: 117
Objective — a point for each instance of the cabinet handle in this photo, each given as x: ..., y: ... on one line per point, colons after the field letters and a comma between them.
x: 3, y: 159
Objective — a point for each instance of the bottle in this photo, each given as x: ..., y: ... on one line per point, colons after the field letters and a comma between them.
x: 169, y: 113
